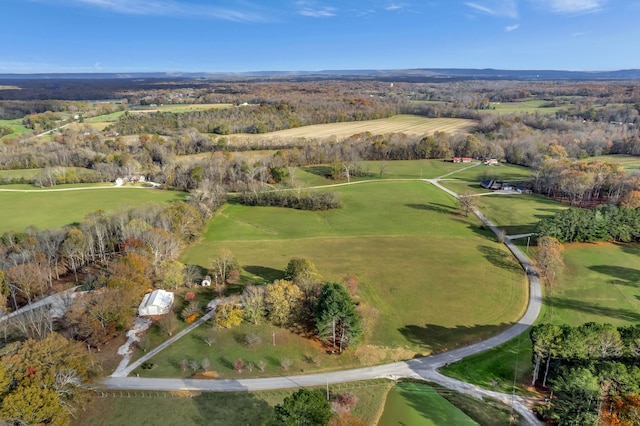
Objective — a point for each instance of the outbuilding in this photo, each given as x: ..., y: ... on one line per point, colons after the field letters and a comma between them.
x: 158, y: 302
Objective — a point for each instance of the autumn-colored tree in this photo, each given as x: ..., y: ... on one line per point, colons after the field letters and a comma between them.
x: 549, y: 259
x: 171, y: 274
x: 228, y: 315
x: 131, y: 273
x: 191, y: 311
x: 350, y: 281
x: 238, y: 364
x: 44, y: 380
x: 253, y: 303
x: 96, y: 317
x: 622, y: 410
x: 283, y: 300
x: 301, y: 270
x: 631, y: 199
x: 345, y: 419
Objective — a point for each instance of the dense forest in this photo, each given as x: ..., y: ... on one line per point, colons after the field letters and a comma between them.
x: 592, y: 371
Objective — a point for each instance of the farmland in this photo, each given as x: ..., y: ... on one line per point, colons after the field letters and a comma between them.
x: 408, y: 124
x: 18, y: 210
x: 387, y: 224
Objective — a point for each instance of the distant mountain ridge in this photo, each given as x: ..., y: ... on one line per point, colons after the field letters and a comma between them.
x: 400, y: 74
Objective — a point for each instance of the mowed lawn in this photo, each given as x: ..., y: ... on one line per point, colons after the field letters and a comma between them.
x: 418, y: 404
x: 47, y: 209
x: 435, y: 277
x: 599, y: 283
x: 518, y: 214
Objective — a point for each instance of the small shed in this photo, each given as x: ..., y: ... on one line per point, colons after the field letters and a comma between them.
x: 206, y: 282
x: 158, y: 302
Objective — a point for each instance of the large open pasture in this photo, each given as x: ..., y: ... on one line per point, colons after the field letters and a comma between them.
x: 408, y: 124
x: 436, y: 279
x: 600, y: 283
x: 46, y: 209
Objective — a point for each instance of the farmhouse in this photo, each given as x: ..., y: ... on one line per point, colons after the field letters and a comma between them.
x: 491, y: 162
x: 462, y: 159
x: 158, y: 302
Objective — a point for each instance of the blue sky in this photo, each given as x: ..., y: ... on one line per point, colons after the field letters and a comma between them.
x: 286, y: 35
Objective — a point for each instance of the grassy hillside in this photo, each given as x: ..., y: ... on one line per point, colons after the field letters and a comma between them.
x: 46, y: 209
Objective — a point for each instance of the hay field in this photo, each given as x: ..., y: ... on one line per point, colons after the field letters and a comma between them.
x: 408, y: 124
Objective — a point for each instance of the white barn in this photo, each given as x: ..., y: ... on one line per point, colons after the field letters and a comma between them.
x: 158, y: 302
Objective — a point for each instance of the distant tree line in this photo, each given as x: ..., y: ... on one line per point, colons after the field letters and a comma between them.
x: 301, y: 200
x: 262, y: 118
x: 603, y: 223
x: 592, y: 370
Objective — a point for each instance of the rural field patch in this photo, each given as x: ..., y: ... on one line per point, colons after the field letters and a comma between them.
x: 417, y: 259
x: 47, y: 209
x: 408, y: 124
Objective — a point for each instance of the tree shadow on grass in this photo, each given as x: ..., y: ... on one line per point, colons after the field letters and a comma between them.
x: 500, y: 258
x: 440, y: 339
x: 593, y: 309
x: 629, y: 248
x: 434, y: 207
x: 266, y: 273
x: 226, y: 363
x: 229, y: 408
x: 428, y: 403
x: 324, y: 171
x: 622, y: 275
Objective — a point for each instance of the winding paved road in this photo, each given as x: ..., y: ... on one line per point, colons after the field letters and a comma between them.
x: 421, y: 368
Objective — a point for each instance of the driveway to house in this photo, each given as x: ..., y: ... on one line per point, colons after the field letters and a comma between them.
x: 421, y: 368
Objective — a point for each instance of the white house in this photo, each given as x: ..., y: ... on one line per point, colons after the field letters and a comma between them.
x: 158, y: 302
x: 206, y: 282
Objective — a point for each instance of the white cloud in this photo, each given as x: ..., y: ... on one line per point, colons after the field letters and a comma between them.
x: 309, y: 8
x: 174, y: 8
x: 394, y: 6
x: 572, y: 6
x: 502, y: 8
x: 510, y: 28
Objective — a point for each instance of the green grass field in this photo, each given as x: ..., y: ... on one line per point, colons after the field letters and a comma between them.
x: 215, y: 408
x: 417, y: 404
x: 26, y: 174
x: 600, y: 283
x: 16, y: 126
x: 46, y: 209
x: 529, y: 105
x: 423, y: 272
x: 518, y: 214
x: 630, y: 163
